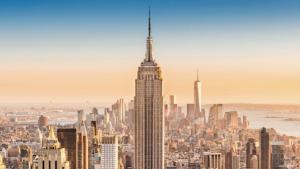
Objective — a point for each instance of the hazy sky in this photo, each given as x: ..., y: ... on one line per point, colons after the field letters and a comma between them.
x: 71, y: 50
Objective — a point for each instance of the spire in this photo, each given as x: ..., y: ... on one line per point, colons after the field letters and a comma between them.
x: 197, y: 75
x: 149, y: 23
x: 149, y: 41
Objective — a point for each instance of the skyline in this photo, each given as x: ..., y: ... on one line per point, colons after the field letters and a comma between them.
x: 244, y: 52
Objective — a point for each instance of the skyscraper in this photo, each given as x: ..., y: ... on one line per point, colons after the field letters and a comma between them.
x: 67, y: 139
x: 149, y: 118
x: 264, y: 149
x: 250, y: 151
x: 277, y: 157
x: 82, y: 143
x: 215, y: 115
x: 52, y: 155
x: 109, y: 151
x: 197, y: 98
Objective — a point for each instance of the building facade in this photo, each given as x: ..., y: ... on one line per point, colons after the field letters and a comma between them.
x: 68, y: 139
x: 149, y: 117
x: 109, y: 153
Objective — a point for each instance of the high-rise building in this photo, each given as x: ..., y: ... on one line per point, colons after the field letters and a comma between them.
x: 236, y: 161
x: 109, y: 152
x: 213, y: 160
x: 172, y: 106
x: 215, y: 115
x: 231, y: 118
x: 94, y: 146
x: 119, y: 110
x: 198, y: 98
x: 277, y: 157
x: 43, y: 121
x: 245, y: 122
x: 228, y: 160
x: 149, y: 117
x: 232, y: 160
x: 68, y: 139
x: 25, y: 156
x: 190, y: 108
x: 253, y: 163
x: 250, y: 151
x: 82, y: 147
x: 52, y: 156
x: 264, y: 149
x: 81, y: 117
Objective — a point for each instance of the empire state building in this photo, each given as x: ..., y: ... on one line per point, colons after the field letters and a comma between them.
x: 149, y: 118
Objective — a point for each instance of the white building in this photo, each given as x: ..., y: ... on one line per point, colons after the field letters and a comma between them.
x: 109, y: 152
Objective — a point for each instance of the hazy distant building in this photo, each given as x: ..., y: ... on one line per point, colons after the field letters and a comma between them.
x: 198, y: 99
x: 68, y: 139
x: 190, y: 109
x: 277, y: 156
x: 215, y: 115
x: 213, y: 160
x: 43, y: 121
x: 245, y: 122
x: 172, y: 106
x: 109, y: 152
x: 149, y: 118
x: 264, y: 149
x: 119, y: 110
x: 231, y: 119
x: 52, y: 156
x: 81, y: 117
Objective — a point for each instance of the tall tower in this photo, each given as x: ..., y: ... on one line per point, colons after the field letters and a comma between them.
x: 264, y: 149
x: 82, y: 143
x: 149, y: 118
x: 197, y: 98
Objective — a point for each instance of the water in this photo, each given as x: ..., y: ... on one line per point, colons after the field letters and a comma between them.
x: 274, y: 119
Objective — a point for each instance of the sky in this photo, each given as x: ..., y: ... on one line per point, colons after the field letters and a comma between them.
x: 246, y: 51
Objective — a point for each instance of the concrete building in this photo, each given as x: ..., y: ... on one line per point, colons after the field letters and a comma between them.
x: 250, y: 151
x: 109, y: 152
x: 82, y: 147
x: 253, y: 163
x: 213, y: 160
x: 277, y: 155
x: 149, y: 117
x: 52, y: 156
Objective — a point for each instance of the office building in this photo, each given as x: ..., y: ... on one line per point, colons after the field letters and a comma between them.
x: 149, y: 117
